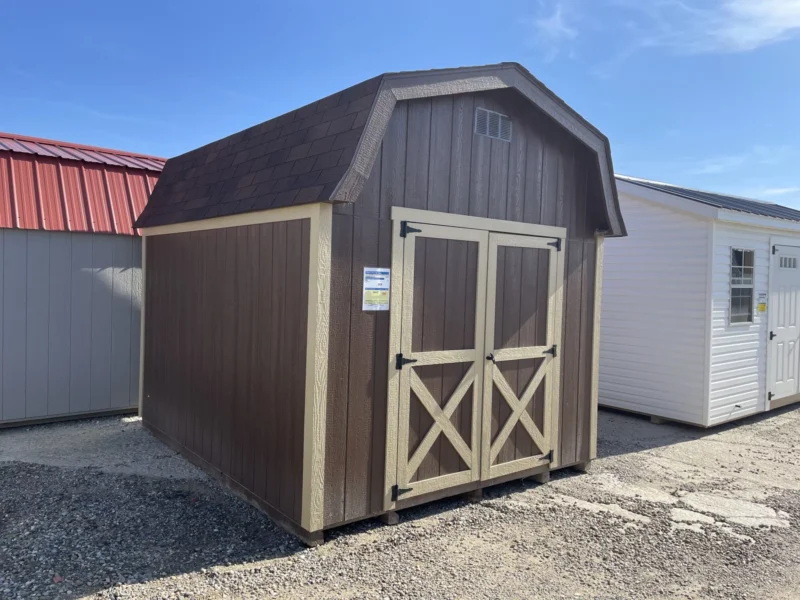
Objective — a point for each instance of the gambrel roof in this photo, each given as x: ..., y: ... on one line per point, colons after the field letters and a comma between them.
x: 324, y: 151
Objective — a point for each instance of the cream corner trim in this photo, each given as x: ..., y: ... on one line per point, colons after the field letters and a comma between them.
x: 142, y: 305
x: 558, y: 322
x: 319, y: 297
x: 598, y: 295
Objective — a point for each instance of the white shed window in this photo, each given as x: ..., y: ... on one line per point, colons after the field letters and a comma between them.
x: 742, y: 263
x: 788, y: 262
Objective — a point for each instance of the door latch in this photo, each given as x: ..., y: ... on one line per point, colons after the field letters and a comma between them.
x: 491, y: 358
x: 771, y: 335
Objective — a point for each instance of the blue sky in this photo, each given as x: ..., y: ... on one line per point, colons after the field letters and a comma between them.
x: 704, y: 93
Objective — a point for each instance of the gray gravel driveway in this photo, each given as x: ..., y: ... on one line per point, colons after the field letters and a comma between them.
x: 99, y: 508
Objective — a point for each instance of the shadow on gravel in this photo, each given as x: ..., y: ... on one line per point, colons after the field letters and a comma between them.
x: 66, y: 533
x: 71, y: 532
x: 446, y: 505
x: 620, y: 432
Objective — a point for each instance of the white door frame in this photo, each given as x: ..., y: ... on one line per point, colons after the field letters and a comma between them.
x: 769, y: 404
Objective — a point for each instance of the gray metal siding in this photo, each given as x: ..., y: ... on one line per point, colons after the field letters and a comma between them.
x: 69, y: 323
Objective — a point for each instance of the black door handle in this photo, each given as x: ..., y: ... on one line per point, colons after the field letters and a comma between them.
x: 771, y: 335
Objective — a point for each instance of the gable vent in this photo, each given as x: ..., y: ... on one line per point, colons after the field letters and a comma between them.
x: 492, y: 124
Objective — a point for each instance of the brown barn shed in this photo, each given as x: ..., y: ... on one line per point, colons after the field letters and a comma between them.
x: 385, y: 297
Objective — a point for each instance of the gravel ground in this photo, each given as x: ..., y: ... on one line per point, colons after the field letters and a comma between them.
x: 100, y: 509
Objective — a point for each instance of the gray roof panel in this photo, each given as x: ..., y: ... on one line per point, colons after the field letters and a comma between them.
x: 753, y: 207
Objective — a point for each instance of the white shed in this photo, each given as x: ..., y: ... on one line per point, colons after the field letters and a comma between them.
x: 701, y: 305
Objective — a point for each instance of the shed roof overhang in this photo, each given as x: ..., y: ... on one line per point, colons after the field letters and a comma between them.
x: 396, y: 87
x: 628, y: 187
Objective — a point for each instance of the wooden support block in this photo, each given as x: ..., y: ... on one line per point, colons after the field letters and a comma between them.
x: 474, y: 495
x: 309, y: 538
x: 582, y: 467
x: 389, y: 518
x: 543, y: 477
x: 658, y: 420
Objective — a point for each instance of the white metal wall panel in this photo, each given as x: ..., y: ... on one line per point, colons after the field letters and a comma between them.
x: 653, y: 344
x: 69, y: 323
x: 738, y: 352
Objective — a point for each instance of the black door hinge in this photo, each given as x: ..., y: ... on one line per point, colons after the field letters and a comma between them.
x: 556, y: 244
x: 548, y: 457
x: 397, y: 491
x: 774, y: 249
x: 769, y: 396
x: 405, y: 229
x: 771, y: 335
x: 553, y: 351
x: 399, y: 361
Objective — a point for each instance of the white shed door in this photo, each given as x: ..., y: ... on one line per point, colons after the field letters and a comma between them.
x: 784, y: 321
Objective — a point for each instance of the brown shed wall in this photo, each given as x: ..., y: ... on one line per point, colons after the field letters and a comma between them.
x: 225, y: 353
x: 430, y: 159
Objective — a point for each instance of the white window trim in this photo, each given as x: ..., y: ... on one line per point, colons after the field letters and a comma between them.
x: 732, y: 286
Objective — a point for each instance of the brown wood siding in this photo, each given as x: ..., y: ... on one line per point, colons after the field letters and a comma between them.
x: 520, y: 321
x: 225, y: 340
x: 431, y: 159
x: 445, y: 279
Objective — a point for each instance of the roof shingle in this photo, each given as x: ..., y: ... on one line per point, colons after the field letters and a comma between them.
x: 296, y: 158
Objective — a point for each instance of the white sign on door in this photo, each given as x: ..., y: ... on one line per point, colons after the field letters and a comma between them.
x: 376, y: 288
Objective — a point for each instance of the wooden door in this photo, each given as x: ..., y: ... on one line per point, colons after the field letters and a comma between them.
x: 440, y: 363
x: 521, y: 375
x: 784, y: 320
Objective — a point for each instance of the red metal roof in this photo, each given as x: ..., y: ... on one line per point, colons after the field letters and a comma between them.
x: 59, y: 186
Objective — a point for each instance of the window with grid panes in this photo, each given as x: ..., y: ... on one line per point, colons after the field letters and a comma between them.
x: 742, y: 268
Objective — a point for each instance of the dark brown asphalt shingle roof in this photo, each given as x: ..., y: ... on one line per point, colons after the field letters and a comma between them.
x: 296, y: 158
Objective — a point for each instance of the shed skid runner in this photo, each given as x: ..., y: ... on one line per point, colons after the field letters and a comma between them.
x: 367, y: 304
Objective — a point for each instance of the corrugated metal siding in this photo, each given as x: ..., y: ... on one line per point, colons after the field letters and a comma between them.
x: 653, y: 347
x: 57, y: 186
x: 69, y: 332
x: 738, y: 352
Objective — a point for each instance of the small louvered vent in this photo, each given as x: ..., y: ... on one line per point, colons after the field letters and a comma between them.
x: 492, y: 124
